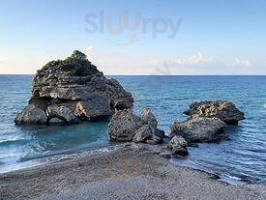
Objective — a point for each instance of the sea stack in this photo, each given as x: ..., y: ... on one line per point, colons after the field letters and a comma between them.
x: 68, y: 91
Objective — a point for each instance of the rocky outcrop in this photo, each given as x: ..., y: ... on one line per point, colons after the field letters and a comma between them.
x: 201, y: 129
x: 70, y: 90
x: 224, y: 110
x: 32, y: 115
x: 178, y: 146
x: 123, y: 125
x: 61, y: 114
x: 126, y: 126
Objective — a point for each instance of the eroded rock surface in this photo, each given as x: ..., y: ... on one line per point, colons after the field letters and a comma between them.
x: 178, y: 146
x: 224, y: 110
x: 201, y: 129
x: 126, y: 126
x: 71, y: 90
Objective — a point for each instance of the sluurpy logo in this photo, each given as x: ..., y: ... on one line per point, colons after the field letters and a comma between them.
x: 132, y: 26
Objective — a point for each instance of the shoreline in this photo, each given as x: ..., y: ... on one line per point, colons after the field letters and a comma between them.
x: 117, y: 171
x: 42, y: 162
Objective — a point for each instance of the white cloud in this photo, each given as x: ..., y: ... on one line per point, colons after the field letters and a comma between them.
x: 88, y: 52
x: 241, y: 62
x: 195, y: 59
x: 3, y: 59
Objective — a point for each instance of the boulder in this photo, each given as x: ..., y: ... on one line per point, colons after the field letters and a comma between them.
x: 126, y: 126
x: 63, y: 113
x: 178, y: 146
x: 201, y: 129
x: 148, y: 118
x: 77, y: 85
x: 224, y: 110
x: 123, y: 125
x: 31, y: 115
x: 142, y: 134
x: 159, y: 133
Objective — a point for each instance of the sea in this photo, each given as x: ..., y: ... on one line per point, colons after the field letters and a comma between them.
x: 241, y: 159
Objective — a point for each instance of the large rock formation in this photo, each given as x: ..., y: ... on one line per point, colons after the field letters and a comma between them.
x: 201, y: 129
x: 126, y: 126
x: 224, y: 110
x: 70, y: 90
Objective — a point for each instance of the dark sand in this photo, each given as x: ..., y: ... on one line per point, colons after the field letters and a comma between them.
x: 132, y: 172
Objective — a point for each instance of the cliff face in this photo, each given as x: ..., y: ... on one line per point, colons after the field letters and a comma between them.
x: 70, y: 90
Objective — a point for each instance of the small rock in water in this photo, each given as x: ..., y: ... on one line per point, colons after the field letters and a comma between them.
x: 223, y: 110
x: 201, y: 129
x: 126, y: 126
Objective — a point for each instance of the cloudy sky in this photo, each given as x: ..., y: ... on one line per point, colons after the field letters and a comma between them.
x: 151, y: 37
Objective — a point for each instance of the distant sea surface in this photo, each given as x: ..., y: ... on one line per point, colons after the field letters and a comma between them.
x: 241, y: 158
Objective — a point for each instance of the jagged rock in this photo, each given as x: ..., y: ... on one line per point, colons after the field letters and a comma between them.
x: 148, y: 118
x: 126, y: 126
x: 142, y: 134
x: 224, y: 110
x: 63, y: 113
x: 123, y: 125
x: 201, y: 129
x: 95, y: 107
x: 178, y: 146
x: 123, y: 104
x: 157, y: 139
x: 31, y: 115
x: 78, y: 85
x: 159, y: 133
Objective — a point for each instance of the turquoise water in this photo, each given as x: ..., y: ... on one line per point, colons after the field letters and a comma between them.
x: 243, y: 158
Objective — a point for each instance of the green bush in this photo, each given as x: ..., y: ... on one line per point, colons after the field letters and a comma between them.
x: 76, y: 65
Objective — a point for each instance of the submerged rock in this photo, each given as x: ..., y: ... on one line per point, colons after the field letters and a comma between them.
x: 224, y: 110
x: 126, y: 126
x: 200, y: 129
x: 178, y: 146
x: 71, y: 90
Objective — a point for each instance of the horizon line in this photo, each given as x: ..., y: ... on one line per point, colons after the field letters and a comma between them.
x: 157, y: 74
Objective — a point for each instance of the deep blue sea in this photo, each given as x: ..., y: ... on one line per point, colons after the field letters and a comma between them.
x: 242, y: 158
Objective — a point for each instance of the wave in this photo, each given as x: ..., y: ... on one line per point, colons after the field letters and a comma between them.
x: 13, y: 142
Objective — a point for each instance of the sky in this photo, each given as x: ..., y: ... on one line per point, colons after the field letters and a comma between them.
x: 126, y: 37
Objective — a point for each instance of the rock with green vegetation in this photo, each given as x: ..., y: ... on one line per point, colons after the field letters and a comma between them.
x: 76, y: 90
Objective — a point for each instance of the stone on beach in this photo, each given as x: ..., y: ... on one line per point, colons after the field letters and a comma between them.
x: 178, y: 146
x: 75, y: 90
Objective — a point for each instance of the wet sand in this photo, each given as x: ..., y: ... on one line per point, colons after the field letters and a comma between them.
x: 131, y: 172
